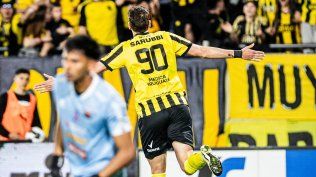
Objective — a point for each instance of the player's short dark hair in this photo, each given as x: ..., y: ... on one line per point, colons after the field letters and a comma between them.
x: 255, y: 3
x: 85, y: 44
x: 22, y: 71
x: 139, y: 18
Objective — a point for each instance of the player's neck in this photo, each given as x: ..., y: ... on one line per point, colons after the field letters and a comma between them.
x: 140, y: 33
x: 82, y: 84
x: 20, y: 91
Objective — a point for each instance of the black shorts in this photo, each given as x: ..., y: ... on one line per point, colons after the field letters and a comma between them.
x: 160, y: 129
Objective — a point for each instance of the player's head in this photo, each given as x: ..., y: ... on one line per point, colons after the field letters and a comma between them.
x: 80, y: 55
x: 21, y: 78
x: 250, y: 8
x: 139, y: 19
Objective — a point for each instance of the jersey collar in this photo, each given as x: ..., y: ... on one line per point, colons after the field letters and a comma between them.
x: 89, y: 91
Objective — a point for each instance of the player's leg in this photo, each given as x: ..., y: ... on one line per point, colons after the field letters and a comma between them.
x: 153, y: 133
x: 181, y: 134
x: 190, y: 161
x: 158, y: 165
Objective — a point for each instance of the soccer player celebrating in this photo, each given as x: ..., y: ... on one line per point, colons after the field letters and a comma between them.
x: 93, y: 130
x: 161, y: 104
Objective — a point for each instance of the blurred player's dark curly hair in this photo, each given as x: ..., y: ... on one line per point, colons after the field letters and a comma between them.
x: 85, y: 44
x: 139, y: 18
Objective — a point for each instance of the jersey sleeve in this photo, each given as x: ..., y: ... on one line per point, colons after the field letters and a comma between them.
x: 82, y: 20
x: 115, y: 59
x: 118, y: 122
x: 180, y: 45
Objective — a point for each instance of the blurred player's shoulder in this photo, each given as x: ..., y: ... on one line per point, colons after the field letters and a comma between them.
x: 99, y: 89
x: 105, y: 92
x: 60, y: 80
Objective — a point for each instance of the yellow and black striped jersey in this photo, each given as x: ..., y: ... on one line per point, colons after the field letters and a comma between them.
x: 288, y: 32
x: 246, y: 30
x: 150, y: 59
x: 267, y: 10
x: 99, y: 17
x: 308, y: 10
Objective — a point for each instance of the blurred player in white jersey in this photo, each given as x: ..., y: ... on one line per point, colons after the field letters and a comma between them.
x: 93, y: 130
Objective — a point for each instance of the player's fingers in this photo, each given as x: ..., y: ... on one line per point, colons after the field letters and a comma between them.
x: 41, y: 87
x: 38, y: 86
x: 259, y: 56
x: 259, y: 52
x: 48, y: 76
x: 44, y: 90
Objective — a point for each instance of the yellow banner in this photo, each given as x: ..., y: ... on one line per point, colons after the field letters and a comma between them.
x: 279, y: 87
x: 263, y: 133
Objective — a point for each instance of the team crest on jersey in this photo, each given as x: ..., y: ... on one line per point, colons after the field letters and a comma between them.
x: 87, y: 114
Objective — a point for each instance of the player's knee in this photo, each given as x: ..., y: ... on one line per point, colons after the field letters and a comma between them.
x: 158, y: 168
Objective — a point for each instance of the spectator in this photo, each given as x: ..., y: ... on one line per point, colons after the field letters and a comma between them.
x: 267, y: 11
x: 308, y: 26
x: 122, y: 21
x: 165, y: 7
x: 98, y: 19
x: 234, y: 8
x: 288, y: 31
x: 190, y: 19
x: 37, y: 39
x: 18, y: 112
x: 22, y: 5
x: 220, y: 27
x: 9, y: 31
x: 70, y: 13
x: 154, y: 27
x: 59, y: 28
x: 247, y: 28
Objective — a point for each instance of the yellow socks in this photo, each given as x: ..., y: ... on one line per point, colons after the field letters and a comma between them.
x: 194, y: 163
x: 159, y: 175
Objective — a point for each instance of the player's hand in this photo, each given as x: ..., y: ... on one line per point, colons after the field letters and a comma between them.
x: 253, y: 55
x: 54, y: 163
x: 45, y: 86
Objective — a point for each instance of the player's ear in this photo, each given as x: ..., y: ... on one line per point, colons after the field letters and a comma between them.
x: 149, y: 24
x: 129, y: 26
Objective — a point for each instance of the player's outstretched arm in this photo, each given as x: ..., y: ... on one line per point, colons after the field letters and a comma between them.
x: 47, y: 85
x: 99, y: 67
x: 212, y: 52
x: 126, y: 153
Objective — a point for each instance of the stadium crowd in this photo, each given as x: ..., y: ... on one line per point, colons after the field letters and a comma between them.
x: 40, y: 27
